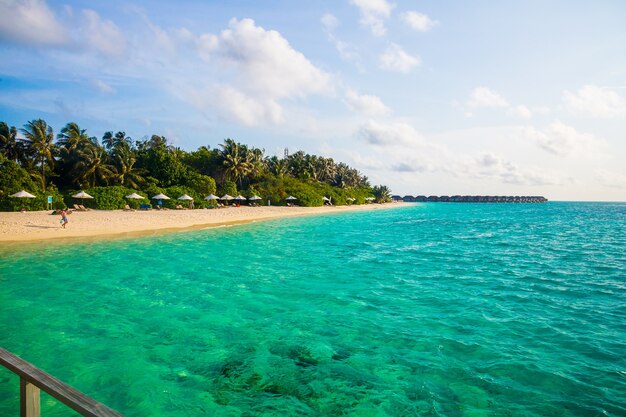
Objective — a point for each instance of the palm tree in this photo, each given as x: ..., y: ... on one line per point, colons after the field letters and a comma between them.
x: 39, y: 136
x: 126, y: 172
x: 92, y: 167
x: 111, y: 141
x: 72, y: 136
x: 256, y: 157
x: 236, y: 161
x: 10, y: 145
x: 278, y: 167
x: 382, y: 193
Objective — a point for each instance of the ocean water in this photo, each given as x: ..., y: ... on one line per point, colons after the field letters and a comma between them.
x: 424, y: 310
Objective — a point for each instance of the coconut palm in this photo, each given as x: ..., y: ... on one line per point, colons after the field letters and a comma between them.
x: 278, y: 167
x: 382, y: 193
x: 38, y: 137
x: 111, y: 141
x: 125, y: 171
x: 92, y: 166
x: 10, y: 145
x: 256, y: 157
x: 72, y: 136
x: 236, y: 162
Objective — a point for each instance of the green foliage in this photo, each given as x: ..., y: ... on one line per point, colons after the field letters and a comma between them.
x: 382, y: 193
x: 228, y: 187
x: 106, y: 198
x: 152, y: 166
x: 176, y: 191
x: 163, y: 165
x: 201, y: 184
x: 14, y: 178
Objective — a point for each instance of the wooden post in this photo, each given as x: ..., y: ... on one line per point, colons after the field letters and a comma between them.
x: 30, y: 403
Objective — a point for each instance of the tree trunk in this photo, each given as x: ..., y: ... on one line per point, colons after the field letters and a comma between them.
x: 43, y: 175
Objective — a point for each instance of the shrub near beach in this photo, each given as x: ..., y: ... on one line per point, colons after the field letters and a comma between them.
x: 108, y: 169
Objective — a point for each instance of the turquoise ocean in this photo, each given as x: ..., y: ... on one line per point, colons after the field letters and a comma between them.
x: 423, y: 310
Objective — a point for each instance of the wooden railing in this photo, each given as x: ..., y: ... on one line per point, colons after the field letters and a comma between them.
x: 32, y: 379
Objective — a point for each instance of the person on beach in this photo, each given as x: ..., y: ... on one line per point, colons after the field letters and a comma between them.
x: 64, y: 220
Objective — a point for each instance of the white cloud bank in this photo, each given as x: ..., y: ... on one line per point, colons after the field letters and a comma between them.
x: 562, y: 140
x: 402, y: 151
x: 30, y: 22
x: 594, y: 101
x: 33, y: 23
x: 264, y: 68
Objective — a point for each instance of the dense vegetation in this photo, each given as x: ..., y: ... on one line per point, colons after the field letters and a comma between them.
x: 31, y: 158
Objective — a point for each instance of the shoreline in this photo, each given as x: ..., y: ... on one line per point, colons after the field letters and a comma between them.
x: 41, y: 226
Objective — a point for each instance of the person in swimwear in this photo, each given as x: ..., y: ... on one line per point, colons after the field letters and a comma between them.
x: 64, y: 220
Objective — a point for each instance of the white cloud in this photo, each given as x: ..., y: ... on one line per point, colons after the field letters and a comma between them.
x: 388, y: 134
x: 562, y: 140
x: 346, y: 51
x: 103, y: 87
x: 396, y: 59
x: 373, y: 14
x: 248, y: 110
x: 595, y: 101
x: 369, y: 105
x: 485, y: 97
x: 102, y: 35
x: 418, y: 21
x: 491, y: 166
x: 251, y: 70
x: 329, y: 22
x: 267, y: 64
x: 207, y: 44
x: 33, y: 23
x: 611, y: 179
x: 30, y: 22
x: 521, y: 111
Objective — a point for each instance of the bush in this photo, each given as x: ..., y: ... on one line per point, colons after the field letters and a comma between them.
x: 201, y: 184
x: 228, y: 187
x: 106, y: 198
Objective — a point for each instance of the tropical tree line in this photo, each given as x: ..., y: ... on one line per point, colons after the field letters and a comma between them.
x: 34, y: 158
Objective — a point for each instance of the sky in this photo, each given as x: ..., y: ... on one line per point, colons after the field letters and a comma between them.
x: 429, y: 97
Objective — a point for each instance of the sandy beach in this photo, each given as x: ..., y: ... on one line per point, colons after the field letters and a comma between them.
x: 41, y: 225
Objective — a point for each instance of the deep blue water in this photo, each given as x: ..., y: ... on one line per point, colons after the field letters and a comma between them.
x: 425, y: 310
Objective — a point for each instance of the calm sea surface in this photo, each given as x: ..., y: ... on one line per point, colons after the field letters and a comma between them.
x: 425, y: 310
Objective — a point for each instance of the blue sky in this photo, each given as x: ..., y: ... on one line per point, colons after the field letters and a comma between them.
x: 428, y: 97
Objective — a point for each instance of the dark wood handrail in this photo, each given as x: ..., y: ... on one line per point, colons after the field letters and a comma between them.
x: 69, y: 396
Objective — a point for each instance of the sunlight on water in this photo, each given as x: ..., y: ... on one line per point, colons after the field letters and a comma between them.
x: 428, y: 310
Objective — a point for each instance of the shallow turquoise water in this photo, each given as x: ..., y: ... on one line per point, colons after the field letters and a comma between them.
x: 425, y: 310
